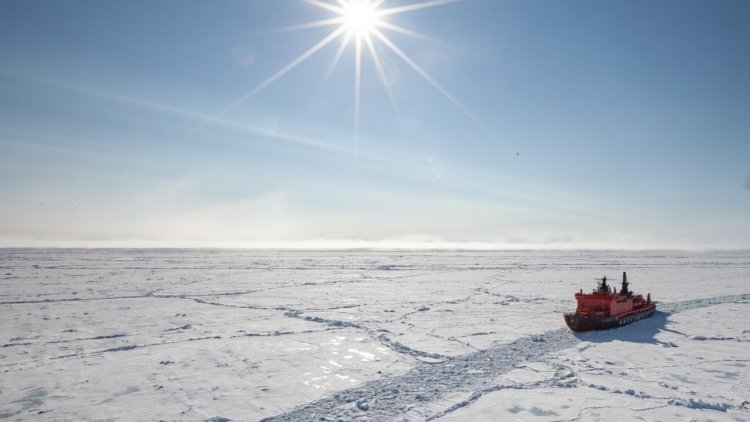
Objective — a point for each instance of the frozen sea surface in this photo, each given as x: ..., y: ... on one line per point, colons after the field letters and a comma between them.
x: 363, y: 335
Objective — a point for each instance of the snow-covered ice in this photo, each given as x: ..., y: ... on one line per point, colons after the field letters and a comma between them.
x: 378, y: 335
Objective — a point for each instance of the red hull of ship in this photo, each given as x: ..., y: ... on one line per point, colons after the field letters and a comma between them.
x: 579, y: 323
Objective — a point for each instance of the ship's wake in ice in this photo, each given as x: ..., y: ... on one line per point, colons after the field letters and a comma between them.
x: 415, y: 393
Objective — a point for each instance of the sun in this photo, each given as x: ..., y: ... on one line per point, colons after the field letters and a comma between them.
x: 360, y: 17
x: 362, y: 24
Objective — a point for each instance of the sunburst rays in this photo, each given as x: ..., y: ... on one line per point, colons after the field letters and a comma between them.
x: 360, y: 24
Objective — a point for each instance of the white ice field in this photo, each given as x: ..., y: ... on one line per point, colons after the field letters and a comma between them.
x: 146, y: 335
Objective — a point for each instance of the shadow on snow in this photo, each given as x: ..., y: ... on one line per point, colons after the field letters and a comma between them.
x: 643, y: 331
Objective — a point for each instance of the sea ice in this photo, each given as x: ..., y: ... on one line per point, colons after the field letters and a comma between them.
x: 386, y: 335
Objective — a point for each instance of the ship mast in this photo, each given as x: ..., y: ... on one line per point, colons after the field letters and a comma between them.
x: 603, y: 288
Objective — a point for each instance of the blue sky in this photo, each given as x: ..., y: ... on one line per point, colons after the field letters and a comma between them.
x: 539, y: 124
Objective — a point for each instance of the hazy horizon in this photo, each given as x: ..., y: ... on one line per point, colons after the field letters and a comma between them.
x: 355, y: 245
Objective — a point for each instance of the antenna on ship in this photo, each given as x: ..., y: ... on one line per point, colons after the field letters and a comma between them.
x: 625, y: 283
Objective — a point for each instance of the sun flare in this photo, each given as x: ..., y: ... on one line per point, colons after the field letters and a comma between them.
x: 360, y: 17
x: 362, y: 24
